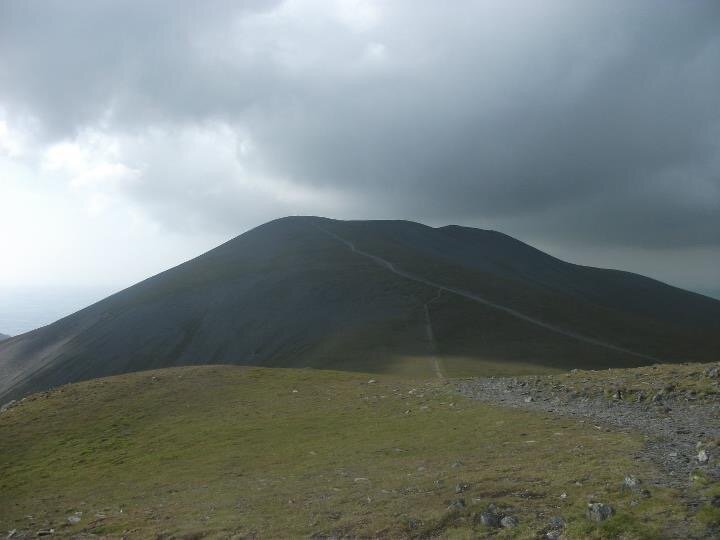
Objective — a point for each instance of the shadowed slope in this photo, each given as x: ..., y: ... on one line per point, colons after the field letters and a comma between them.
x: 293, y: 293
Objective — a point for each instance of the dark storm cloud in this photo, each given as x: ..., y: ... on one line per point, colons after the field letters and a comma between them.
x: 581, y: 121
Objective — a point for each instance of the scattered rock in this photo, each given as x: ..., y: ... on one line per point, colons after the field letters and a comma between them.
x: 670, y: 437
x: 631, y: 482
x: 457, y: 464
x: 703, y: 457
x: 712, y: 372
x: 459, y: 488
x: 563, y: 495
x: 456, y: 504
x: 11, y: 534
x: 372, y: 381
x: 599, y: 511
x: 508, y: 522
x: 529, y: 399
x: 8, y: 405
x: 556, y: 523
x: 553, y: 535
x: 489, y: 519
x: 46, y: 532
x: 74, y: 519
x: 414, y: 524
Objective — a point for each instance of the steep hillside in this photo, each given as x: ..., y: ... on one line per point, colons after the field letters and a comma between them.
x: 370, y: 296
x: 3, y: 336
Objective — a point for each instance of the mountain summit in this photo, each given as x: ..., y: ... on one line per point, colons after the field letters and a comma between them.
x: 369, y: 296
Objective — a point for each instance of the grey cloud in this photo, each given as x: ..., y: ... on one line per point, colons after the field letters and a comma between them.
x: 584, y: 122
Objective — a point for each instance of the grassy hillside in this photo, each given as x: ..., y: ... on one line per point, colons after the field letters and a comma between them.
x: 221, y: 451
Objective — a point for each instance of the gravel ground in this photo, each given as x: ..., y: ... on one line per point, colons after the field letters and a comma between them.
x: 677, y: 425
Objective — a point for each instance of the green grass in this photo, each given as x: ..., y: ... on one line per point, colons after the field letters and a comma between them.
x: 422, y: 367
x: 471, y: 366
x: 222, y: 451
x: 643, y: 382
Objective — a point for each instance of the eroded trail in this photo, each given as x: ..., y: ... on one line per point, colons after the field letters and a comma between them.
x: 431, y: 338
x: 477, y: 298
x: 673, y: 426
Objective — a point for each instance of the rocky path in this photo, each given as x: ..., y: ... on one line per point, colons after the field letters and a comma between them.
x: 431, y: 338
x: 682, y: 429
x: 431, y: 343
x: 477, y: 298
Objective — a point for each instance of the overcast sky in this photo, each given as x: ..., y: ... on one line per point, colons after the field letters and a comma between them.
x: 136, y: 135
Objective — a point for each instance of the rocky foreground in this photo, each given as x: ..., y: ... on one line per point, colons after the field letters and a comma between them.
x: 676, y: 407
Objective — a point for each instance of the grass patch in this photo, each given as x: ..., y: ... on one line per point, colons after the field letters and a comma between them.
x: 469, y: 366
x: 221, y: 451
x: 641, y: 384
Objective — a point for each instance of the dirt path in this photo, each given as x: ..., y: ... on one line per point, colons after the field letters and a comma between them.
x: 431, y: 338
x: 472, y: 296
x: 673, y: 427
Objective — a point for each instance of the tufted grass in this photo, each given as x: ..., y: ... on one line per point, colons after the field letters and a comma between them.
x: 227, y: 451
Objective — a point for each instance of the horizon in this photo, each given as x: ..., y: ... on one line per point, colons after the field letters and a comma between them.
x: 359, y: 268
x: 24, y: 309
x: 172, y: 129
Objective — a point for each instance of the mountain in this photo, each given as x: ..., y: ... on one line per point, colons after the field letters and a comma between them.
x: 4, y: 336
x: 372, y: 296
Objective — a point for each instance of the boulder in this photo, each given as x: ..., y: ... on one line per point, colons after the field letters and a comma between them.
x: 599, y: 511
x: 489, y: 519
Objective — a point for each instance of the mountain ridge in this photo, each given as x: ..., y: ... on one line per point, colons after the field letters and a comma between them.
x: 288, y: 294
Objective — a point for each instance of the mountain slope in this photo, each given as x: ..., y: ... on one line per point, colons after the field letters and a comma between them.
x: 4, y: 336
x: 369, y: 296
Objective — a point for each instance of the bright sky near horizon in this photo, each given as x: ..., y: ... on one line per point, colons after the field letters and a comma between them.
x: 135, y: 135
